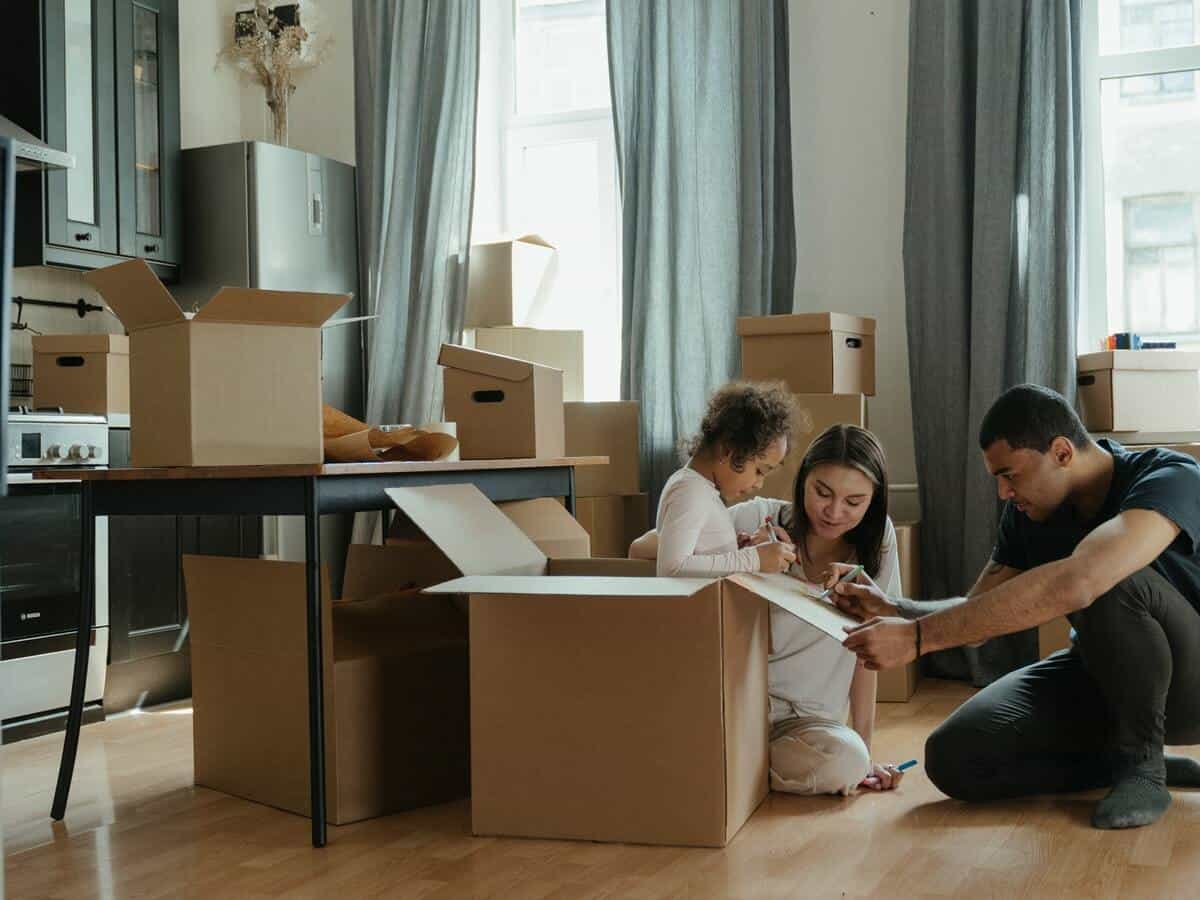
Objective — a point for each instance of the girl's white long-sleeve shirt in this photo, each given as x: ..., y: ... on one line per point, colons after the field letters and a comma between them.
x: 696, y: 536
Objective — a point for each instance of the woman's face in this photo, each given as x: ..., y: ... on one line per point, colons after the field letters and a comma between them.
x: 836, y: 498
x: 735, y: 485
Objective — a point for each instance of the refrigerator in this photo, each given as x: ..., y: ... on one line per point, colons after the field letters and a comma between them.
x: 260, y: 215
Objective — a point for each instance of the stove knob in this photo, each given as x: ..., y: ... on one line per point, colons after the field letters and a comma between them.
x: 54, y: 451
x: 78, y: 451
x: 94, y: 452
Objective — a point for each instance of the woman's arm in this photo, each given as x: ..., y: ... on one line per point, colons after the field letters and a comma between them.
x: 645, y: 547
x: 862, y: 702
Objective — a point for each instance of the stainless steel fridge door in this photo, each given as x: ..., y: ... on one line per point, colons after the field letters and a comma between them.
x: 304, y: 237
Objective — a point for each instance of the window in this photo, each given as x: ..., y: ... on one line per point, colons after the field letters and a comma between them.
x: 547, y: 164
x: 1141, y: 169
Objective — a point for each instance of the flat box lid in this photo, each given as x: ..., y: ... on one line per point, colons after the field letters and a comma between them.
x: 535, y: 239
x: 116, y: 344
x: 1139, y: 360
x: 805, y: 323
x: 140, y: 301
x: 573, y: 586
x: 494, y: 365
x: 473, y: 533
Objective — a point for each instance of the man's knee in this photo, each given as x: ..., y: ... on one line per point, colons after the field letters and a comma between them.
x: 1133, y: 594
x: 948, y: 752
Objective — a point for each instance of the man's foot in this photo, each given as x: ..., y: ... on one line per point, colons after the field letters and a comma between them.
x: 1182, y: 771
x: 1139, y: 795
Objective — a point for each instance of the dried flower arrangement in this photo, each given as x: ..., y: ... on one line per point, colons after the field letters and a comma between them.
x: 270, y: 48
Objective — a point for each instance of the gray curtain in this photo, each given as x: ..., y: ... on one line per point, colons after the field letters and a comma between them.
x: 701, y: 111
x: 991, y: 261
x: 416, y: 68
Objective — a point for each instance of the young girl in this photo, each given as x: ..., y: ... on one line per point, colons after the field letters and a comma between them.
x: 838, y: 515
x: 744, y: 435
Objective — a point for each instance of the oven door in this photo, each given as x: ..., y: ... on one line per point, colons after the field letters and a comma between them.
x: 40, y: 529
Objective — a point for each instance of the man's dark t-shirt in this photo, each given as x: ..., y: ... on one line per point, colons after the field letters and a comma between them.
x: 1157, y: 479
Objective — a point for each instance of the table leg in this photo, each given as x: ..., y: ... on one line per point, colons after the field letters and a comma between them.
x: 316, y: 695
x: 571, y: 491
x: 83, y: 641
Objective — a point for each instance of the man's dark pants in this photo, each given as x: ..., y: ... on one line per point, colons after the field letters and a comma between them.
x: 1130, y: 684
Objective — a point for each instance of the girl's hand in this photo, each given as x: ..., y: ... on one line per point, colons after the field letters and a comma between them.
x: 744, y: 539
x: 882, y: 778
x: 763, y: 535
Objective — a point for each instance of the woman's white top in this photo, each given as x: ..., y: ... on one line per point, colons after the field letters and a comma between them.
x: 696, y: 537
x: 808, y: 672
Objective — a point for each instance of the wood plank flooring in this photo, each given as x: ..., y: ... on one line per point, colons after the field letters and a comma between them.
x: 138, y: 828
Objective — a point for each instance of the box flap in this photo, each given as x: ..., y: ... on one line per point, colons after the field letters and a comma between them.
x: 530, y: 238
x: 787, y: 593
x: 59, y: 344
x: 572, y: 585
x: 250, y: 306
x: 1139, y: 360
x: 481, y: 362
x: 548, y: 524
x: 804, y: 323
x: 470, y: 530
x: 134, y: 293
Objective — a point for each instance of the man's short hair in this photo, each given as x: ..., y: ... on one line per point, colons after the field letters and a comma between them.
x: 1030, y: 417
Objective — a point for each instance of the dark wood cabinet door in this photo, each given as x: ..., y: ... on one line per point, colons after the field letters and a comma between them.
x: 145, y: 596
x: 77, y: 46
x: 147, y: 134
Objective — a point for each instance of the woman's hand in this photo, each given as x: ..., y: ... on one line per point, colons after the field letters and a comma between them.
x: 861, y: 598
x: 777, y: 557
x: 882, y: 778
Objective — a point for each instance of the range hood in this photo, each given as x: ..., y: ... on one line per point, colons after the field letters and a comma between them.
x: 32, y: 153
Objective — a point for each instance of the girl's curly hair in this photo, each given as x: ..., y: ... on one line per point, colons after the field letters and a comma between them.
x: 746, y: 418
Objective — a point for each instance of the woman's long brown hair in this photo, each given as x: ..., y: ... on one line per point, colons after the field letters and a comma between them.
x: 857, y: 448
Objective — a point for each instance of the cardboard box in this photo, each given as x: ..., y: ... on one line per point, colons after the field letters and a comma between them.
x: 81, y: 373
x: 898, y: 685
x: 1054, y: 636
x: 605, y: 429
x: 606, y: 708
x: 817, y: 412
x: 547, y: 523
x: 238, y: 383
x: 396, y: 703
x: 1139, y: 390
x: 504, y: 408
x: 613, y: 522
x: 558, y: 349
x: 507, y: 280
x: 814, y: 353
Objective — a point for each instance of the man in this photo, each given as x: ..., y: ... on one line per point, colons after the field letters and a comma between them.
x: 1109, y: 538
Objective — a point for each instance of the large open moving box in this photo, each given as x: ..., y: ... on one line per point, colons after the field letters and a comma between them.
x: 604, y: 708
x: 238, y: 383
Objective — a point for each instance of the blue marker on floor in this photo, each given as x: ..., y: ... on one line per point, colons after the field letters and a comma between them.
x: 906, y: 765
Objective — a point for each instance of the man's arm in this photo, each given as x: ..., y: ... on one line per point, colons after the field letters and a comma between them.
x: 864, y: 599
x: 1114, y: 551
x: 993, y: 575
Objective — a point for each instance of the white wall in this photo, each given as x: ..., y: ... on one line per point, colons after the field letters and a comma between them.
x: 219, y: 104
x: 849, y: 63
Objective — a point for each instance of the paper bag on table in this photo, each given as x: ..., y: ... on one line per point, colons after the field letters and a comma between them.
x: 349, y: 440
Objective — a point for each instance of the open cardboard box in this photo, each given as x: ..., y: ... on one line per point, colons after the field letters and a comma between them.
x: 395, y: 676
x: 606, y: 705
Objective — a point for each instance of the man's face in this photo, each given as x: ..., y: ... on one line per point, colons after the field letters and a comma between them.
x: 1036, y: 483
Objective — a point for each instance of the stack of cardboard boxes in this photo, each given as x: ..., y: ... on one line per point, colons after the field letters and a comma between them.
x: 509, y: 282
x: 828, y: 360
x: 609, y: 504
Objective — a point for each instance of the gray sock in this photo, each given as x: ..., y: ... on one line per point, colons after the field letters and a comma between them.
x: 1139, y: 794
x: 1182, y: 771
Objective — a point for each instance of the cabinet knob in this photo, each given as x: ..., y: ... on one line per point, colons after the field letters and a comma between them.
x: 83, y: 236
x: 151, y: 248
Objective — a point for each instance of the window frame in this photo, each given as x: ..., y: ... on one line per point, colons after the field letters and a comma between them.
x: 1095, y: 68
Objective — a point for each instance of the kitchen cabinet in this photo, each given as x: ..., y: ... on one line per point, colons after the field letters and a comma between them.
x: 100, y: 79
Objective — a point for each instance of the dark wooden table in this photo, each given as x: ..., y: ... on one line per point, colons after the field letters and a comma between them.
x: 294, y: 490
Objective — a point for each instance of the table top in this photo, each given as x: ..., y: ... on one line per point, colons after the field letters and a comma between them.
x: 326, y: 470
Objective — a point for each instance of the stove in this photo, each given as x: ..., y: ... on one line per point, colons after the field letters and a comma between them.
x: 41, y: 531
x: 45, y: 438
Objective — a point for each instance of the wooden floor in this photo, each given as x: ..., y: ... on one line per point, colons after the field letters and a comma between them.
x: 136, y: 827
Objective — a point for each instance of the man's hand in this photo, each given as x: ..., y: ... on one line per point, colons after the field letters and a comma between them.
x: 861, y: 598
x: 883, y: 643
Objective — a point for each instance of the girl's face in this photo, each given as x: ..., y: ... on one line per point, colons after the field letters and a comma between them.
x: 836, y: 498
x: 735, y: 485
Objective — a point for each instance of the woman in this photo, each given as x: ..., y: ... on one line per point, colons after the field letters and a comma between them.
x: 838, y: 515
